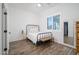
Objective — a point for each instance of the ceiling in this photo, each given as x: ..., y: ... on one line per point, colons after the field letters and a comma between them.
x: 33, y: 6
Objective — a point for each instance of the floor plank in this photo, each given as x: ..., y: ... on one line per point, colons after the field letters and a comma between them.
x: 25, y: 47
x: 69, y: 40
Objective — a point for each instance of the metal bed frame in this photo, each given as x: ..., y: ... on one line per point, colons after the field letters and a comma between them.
x: 40, y: 34
x: 32, y: 26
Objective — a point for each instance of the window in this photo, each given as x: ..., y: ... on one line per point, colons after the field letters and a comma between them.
x: 56, y: 22
x: 49, y: 22
x: 53, y: 22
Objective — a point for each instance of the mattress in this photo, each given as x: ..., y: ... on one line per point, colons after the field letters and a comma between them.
x: 41, y: 36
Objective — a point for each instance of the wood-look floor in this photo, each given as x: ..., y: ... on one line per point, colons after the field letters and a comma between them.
x: 69, y: 40
x: 25, y: 47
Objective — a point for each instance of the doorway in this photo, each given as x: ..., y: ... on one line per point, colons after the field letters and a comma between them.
x: 66, y: 29
x: 68, y: 39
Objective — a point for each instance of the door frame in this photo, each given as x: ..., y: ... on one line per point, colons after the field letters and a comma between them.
x: 72, y: 46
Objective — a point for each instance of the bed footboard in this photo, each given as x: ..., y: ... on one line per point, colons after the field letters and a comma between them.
x: 44, y: 36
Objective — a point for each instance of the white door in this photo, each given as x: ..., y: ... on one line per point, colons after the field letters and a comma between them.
x: 4, y: 30
x: 0, y: 29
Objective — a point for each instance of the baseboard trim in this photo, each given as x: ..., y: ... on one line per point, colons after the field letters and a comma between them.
x: 16, y: 40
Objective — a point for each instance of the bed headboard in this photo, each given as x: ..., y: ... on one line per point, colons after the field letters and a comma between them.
x: 30, y: 28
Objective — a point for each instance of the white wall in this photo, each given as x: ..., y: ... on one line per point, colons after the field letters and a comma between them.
x: 0, y: 29
x: 69, y: 12
x: 18, y: 19
x: 43, y: 25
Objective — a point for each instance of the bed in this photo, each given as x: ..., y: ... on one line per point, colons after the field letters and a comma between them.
x: 35, y: 35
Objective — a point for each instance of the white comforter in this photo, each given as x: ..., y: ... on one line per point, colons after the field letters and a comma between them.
x: 33, y: 36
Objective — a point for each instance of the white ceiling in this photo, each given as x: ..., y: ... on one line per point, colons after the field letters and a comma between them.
x: 33, y: 6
